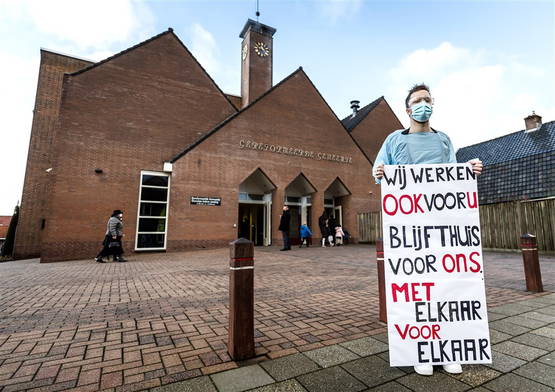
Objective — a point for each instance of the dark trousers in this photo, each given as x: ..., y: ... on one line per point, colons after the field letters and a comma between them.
x: 107, y: 251
x: 286, y: 241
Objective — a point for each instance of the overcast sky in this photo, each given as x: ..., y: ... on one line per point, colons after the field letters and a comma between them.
x: 488, y: 63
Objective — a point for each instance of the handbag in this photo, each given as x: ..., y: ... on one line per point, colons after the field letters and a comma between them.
x: 114, y: 244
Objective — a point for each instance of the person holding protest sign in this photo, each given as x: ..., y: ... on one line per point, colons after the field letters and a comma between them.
x: 419, y: 144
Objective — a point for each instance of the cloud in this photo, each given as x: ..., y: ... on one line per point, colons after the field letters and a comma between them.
x: 92, y: 30
x: 204, y: 48
x: 19, y: 78
x: 335, y: 10
x: 476, y: 98
x: 82, y: 25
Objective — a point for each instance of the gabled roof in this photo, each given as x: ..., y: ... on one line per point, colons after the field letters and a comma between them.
x: 224, y: 122
x: 351, y: 121
x: 94, y: 65
x: 67, y: 55
x: 169, y: 31
x: 234, y: 115
x: 515, y: 145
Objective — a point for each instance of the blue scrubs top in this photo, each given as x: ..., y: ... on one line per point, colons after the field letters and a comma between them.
x: 404, y: 148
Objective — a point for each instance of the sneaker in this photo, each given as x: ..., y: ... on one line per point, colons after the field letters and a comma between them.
x: 121, y: 260
x: 424, y: 370
x: 453, y: 368
x: 99, y: 260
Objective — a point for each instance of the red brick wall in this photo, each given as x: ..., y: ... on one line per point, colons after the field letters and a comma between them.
x: 293, y: 114
x: 372, y: 130
x: 39, y: 158
x: 128, y: 114
x: 4, y: 224
x: 256, y: 71
x: 235, y: 100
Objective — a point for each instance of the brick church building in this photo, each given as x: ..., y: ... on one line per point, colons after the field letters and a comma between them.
x: 149, y: 132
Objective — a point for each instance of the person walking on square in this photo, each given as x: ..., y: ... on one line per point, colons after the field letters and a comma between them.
x: 112, y: 244
x: 323, y: 225
x: 419, y: 144
x: 339, y: 234
x: 284, y: 227
x: 332, y: 224
x: 305, y: 235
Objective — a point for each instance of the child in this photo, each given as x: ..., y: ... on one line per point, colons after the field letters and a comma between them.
x: 339, y: 234
x: 305, y: 235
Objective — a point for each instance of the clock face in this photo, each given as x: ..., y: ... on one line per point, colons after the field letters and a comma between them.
x: 244, y: 52
x: 261, y: 49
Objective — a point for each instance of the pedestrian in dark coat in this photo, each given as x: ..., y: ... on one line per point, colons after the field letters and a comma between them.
x: 323, y: 225
x: 331, y: 229
x: 284, y: 227
x: 112, y: 244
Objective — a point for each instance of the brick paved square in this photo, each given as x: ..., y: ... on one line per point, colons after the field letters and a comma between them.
x: 439, y: 382
x: 196, y: 384
x: 504, y: 363
x: 365, y: 346
x: 512, y: 309
x: 519, y: 350
x: 332, y: 379
x: 241, y: 379
x: 538, y: 372
x: 526, y: 322
x: 284, y: 386
x: 498, y: 337
x: 548, y: 359
x: 162, y: 318
x: 537, y: 315
x: 330, y: 356
x: 538, y: 341
x: 515, y: 383
x: 289, y: 366
x: 372, y: 371
x: 476, y: 374
x: 508, y: 328
x: 545, y: 331
x: 389, y: 387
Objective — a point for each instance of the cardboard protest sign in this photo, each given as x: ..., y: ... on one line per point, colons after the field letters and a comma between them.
x: 436, y: 302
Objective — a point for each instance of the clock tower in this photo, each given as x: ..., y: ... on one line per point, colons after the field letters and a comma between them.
x: 256, y: 60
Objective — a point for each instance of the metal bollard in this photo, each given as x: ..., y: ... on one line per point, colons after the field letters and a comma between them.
x: 381, y: 280
x: 241, y: 300
x: 532, y: 271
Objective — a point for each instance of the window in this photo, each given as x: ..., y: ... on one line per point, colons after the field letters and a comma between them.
x: 152, y: 222
x: 244, y: 196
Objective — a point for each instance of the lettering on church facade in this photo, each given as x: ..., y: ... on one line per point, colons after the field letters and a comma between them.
x: 294, y: 151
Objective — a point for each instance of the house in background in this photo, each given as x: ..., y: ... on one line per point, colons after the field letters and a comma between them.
x: 517, y: 166
x: 4, y: 224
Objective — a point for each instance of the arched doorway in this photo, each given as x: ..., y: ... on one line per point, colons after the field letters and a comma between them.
x: 298, y: 198
x: 334, y: 200
x: 255, y: 207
